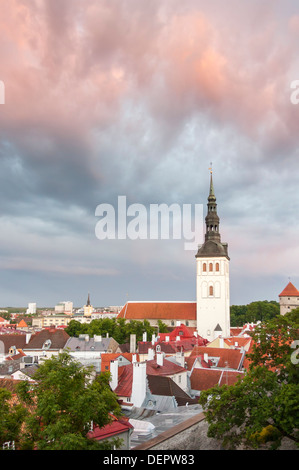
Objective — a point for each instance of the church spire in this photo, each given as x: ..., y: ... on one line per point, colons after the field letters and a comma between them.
x: 212, y: 193
x: 212, y: 245
x: 212, y: 219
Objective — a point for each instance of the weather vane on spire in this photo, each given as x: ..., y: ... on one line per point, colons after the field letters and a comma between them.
x: 211, y: 170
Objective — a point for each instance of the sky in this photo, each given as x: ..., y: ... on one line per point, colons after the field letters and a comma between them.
x: 136, y: 98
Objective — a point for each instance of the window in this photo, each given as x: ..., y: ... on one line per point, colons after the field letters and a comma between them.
x: 204, y: 267
x: 217, y: 266
x: 211, y: 290
x: 211, y: 267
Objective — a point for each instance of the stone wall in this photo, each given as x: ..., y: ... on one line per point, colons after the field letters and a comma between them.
x: 189, y: 435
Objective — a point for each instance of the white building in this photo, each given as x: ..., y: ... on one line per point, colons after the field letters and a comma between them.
x: 64, y: 307
x: 31, y: 308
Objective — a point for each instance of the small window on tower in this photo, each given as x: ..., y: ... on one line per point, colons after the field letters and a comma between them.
x: 204, y: 267
x: 217, y: 266
x: 211, y: 290
x: 211, y: 267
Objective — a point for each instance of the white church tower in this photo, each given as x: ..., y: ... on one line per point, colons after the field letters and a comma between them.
x: 212, y: 278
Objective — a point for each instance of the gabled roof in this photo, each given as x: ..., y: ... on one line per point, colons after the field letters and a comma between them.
x: 125, y: 374
x: 58, y: 339
x: 203, y: 379
x: 117, y: 426
x: 231, y: 358
x: 238, y: 341
x: 167, y: 387
x: 106, y: 358
x: 92, y: 344
x: 168, y: 368
x: 159, y: 310
x: 9, y: 340
x: 289, y: 291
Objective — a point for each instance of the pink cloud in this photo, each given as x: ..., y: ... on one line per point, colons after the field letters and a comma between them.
x: 73, y: 70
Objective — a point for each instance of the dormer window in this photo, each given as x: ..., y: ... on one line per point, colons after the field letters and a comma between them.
x: 47, y: 344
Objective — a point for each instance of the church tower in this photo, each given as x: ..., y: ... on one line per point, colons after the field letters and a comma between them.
x: 212, y: 278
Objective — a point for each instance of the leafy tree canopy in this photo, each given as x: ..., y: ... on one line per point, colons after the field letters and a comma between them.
x: 253, y: 312
x: 263, y: 406
x: 118, y: 329
x: 65, y: 400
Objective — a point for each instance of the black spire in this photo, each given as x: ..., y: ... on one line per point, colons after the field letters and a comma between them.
x: 212, y: 245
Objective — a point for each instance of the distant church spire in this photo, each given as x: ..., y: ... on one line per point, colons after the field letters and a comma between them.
x: 88, y: 300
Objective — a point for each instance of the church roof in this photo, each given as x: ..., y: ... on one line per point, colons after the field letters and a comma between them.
x: 212, y: 248
x: 289, y: 291
x: 159, y: 310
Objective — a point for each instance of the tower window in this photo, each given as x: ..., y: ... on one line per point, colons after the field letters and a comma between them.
x: 204, y: 267
x: 217, y: 266
x: 211, y: 267
x: 211, y: 290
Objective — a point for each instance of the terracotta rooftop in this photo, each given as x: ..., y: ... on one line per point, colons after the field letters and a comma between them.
x: 289, y: 291
x: 231, y: 358
x: 159, y: 310
x: 203, y: 379
x: 106, y: 358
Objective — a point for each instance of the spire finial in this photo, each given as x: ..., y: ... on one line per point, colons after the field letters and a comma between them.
x: 211, y: 169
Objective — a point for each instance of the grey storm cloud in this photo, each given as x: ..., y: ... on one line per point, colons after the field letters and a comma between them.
x: 115, y: 98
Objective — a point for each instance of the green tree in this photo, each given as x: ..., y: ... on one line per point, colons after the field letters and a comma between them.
x: 66, y: 401
x: 263, y: 406
x: 119, y: 329
x: 253, y: 312
x: 12, y: 416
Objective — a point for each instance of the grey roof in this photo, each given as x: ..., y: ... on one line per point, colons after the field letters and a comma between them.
x: 212, y: 248
x: 80, y: 344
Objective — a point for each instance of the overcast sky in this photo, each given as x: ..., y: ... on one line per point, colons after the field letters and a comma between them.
x: 135, y: 98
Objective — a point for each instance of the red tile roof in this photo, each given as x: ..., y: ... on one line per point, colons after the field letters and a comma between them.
x: 125, y: 374
x: 241, y: 340
x: 114, y: 428
x: 168, y: 368
x: 231, y: 358
x: 106, y: 358
x: 159, y: 310
x: 203, y: 379
x: 125, y: 378
x: 289, y: 291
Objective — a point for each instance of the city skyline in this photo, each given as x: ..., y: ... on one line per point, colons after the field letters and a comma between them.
x: 136, y: 99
